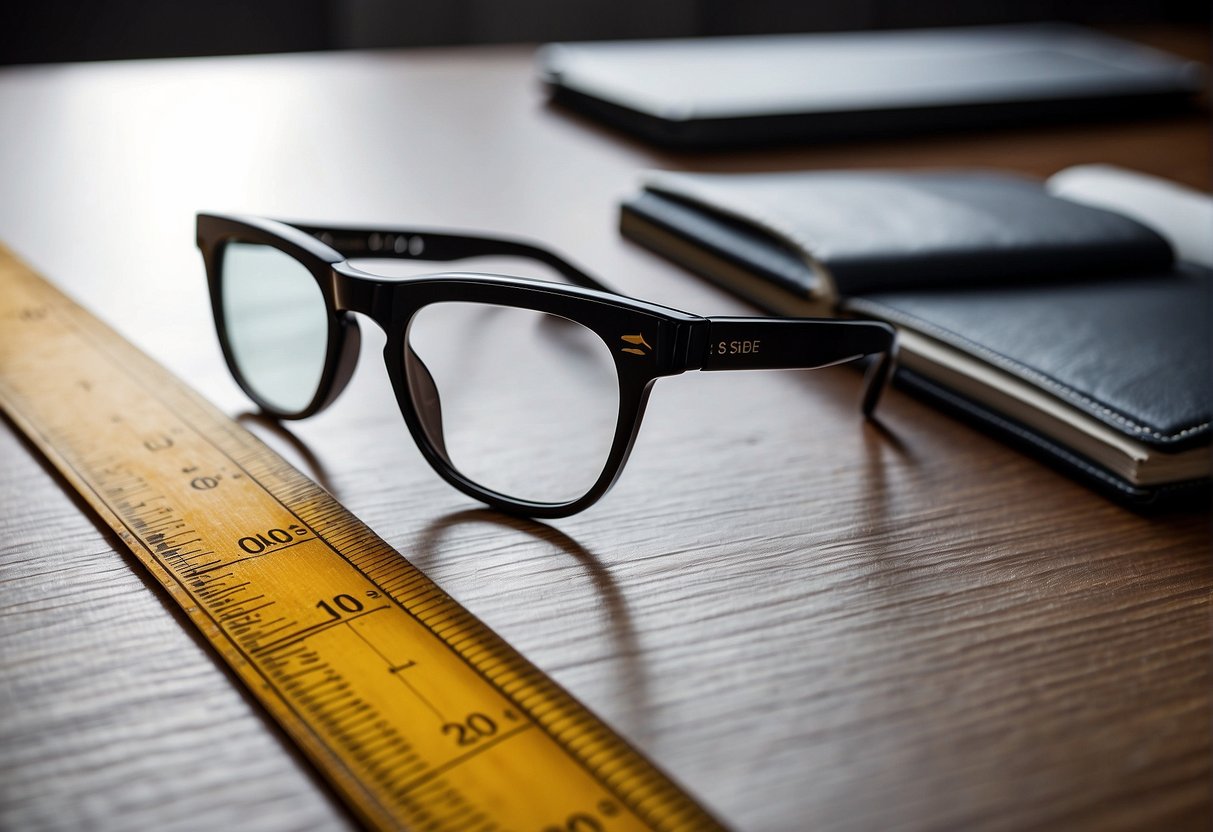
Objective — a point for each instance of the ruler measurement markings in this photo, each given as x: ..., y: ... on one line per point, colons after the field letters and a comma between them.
x: 68, y: 452
x: 199, y: 578
x: 303, y: 486
x: 395, y: 671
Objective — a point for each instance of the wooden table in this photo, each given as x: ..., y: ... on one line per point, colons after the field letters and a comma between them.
x: 809, y: 623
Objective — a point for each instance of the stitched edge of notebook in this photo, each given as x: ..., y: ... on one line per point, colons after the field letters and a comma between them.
x: 919, y: 382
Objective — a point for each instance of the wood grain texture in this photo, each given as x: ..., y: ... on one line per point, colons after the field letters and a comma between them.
x: 808, y: 621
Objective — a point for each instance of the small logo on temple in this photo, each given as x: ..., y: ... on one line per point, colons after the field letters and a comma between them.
x: 637, y: 341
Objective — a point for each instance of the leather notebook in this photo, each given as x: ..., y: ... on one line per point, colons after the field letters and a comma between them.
x: 728, y: 91
x: 1071, y: 316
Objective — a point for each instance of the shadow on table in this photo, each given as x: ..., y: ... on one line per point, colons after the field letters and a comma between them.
x: 633, y: 679
x: 314, y: 468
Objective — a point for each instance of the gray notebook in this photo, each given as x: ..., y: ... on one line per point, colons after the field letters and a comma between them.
x: 739, y: 90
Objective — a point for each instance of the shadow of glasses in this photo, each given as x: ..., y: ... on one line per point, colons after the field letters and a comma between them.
x: 881, y: 448
x: 631, y: 672
x: 313, y: 467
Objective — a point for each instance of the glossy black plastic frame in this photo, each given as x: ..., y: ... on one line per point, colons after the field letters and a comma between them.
x: 647, y: 341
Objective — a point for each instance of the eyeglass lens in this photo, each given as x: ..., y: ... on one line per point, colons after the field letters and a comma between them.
x: 276, y: 322
x: 552, y: 381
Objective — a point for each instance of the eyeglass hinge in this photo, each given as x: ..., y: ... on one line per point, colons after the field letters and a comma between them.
x: 690, y: 342
x: 355, y: 293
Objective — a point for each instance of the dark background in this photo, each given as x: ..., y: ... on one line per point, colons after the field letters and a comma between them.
x: 55, y: 30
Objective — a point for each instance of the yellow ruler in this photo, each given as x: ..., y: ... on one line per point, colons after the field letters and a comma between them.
x: 420, y: 716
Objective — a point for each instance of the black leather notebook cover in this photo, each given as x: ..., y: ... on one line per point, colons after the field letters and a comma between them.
x: 772, y: 88
x: 1081, y: 307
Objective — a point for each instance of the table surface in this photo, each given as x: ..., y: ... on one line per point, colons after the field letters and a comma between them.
x: 809, y: 622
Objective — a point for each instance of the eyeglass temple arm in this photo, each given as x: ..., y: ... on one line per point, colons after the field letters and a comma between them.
x: 411, y: 244
x: 802, y: 343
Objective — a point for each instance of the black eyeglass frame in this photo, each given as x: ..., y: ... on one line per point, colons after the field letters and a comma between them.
x: 647, y: 341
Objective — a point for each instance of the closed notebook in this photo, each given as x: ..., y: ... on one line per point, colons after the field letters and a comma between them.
x: 726, y: 91
x: 1079, y: 330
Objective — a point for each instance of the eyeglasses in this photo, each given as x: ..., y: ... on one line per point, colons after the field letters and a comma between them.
x: 525, y: 394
